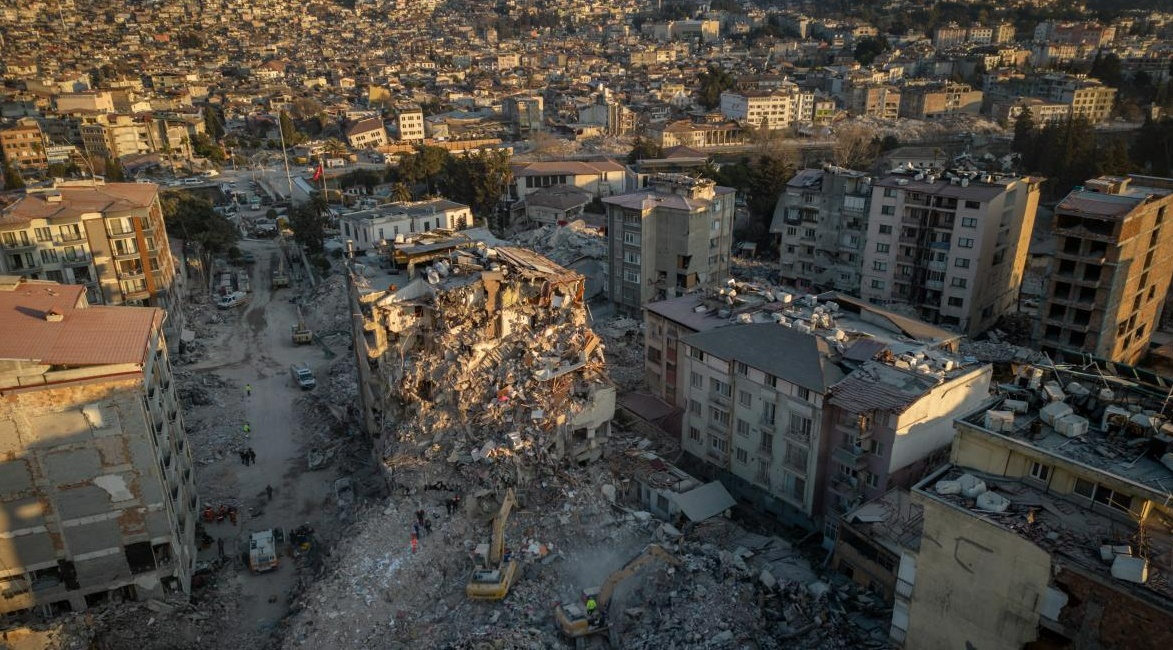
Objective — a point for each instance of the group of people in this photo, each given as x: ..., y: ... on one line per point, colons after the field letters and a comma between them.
x: 248, y: 456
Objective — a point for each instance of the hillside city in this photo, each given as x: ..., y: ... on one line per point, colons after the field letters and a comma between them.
x: 642, y: 324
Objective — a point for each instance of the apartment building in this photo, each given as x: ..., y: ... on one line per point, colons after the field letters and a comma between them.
x: 921, y: 101
x: 1089, y: 99
x: 1041, y: 112
x: 370, y: 229
x: 409, y: 120
x: 773, y: 110
x: 22, y: 146
x: 1111, y: 270
x: 106, y: 237
x: 950, y: 35
x: 114, y: 135
x: 953, y: 247
x: 367, y: 134
x: 97, y: 475
x: 524, y: 114
x: 672, y: 236
x: 821, y: 221
x: 873, y: 100
x: 1040, y: 534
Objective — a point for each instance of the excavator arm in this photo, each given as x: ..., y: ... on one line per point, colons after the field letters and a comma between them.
x: 653, y: 552
x: 497, y: 548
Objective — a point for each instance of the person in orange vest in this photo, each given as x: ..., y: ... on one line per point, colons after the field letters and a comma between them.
x: 415, y: 543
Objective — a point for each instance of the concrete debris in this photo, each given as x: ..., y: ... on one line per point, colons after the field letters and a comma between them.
x: 565, y: 244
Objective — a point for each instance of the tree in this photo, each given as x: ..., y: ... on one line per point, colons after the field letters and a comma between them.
x: 424, y: 165
x: 401, y: 193
x: 191, y: 218
x: 12, y: 178
x: 287, y: 130
x: 204, y: 147
x: 644, y: 148
x: 1106, y: 68
x: 1024, y: 132
x: 855, y: 146
x: 308, y: 221
x: 713, y: 82
x: 478, y: 179
x: 213, y: 123
x: 114, y: 173
x: 868, y: 48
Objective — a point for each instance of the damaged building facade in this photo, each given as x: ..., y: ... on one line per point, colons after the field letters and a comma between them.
x: 96, y: 480
x: 484, y: 357
x: 1051, y: 526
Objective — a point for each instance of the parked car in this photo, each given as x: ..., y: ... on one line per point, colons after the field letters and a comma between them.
x: 234, y: 299
x: 303, y: 376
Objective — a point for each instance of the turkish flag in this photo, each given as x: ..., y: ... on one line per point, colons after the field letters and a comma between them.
x: 318, y: 172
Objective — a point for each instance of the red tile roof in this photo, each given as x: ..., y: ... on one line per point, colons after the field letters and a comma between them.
x: 85, y: 336
x: 76, y: 201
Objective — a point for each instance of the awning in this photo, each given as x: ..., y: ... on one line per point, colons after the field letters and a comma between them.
x: 706, y: 501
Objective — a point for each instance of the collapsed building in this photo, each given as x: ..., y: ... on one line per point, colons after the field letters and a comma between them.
x: 486, y: 357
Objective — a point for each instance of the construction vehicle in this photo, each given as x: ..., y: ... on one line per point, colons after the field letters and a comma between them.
x: 279, y: 277
x: 301, y: 334
x: 494, y: 574
x: 262, y: 551
x: 574, y: 620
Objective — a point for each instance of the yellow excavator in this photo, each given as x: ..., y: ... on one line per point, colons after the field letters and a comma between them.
x: 578, y: 624
x: 494, y: 575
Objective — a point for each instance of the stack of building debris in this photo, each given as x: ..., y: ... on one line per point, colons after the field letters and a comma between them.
x: 624, y: 337
x: 486, y: 361
x: 215, y: 432
x: 566, y: 244
x: 330, y: 313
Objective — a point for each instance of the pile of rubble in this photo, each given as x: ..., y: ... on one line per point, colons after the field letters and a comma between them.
x: 215, y: 432
x: 487, y: 359
x: 565, y: 244
x: 331, y: 309
x: 624, y: 339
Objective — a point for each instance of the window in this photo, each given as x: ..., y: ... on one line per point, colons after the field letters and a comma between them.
x: 879, y: 266
x: 742, y: 455
x: 955, y: 301
x: 878, y: 448
x: 961, y: 263
x: 694, y: 434
x: 964, y: 242
x: 694, y: 407
x: 742, y: 369
x: 1040, y: 471
x: 969, y: 222
x: 742, y: 427
x: 792, y: 232
x: 882, y: 248
x: 973, y: 205
x: 44, y: 234
x: 720, y: 387
x: 719, y: 417
x: 885, y: 230
x: 631, y: 238
x: 744, y: 398
x: 654, y: 355
x: 873, y: 480
x: 631, y: 275
x: 960, y: 283
x: 888, y: 209
x: 803, y: 394
x: 631, y: 257
x: 1084, y: 488
x: 796, y: 457
x: 877, y: 284
x: 800, y: 427
x: 889, y: 192
x: 767, y: 442
x: 697, y: 380
x: 720, y: 444
x: 48, y: 255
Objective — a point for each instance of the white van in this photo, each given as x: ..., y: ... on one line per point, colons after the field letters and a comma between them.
x: 234, y: 299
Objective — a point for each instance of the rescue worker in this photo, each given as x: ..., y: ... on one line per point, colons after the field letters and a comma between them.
x: 592, y: 609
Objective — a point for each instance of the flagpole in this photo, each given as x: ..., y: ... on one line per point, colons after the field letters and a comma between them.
x: 285, y: 157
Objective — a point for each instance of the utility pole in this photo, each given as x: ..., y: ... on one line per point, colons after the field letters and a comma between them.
x: 285, y: 156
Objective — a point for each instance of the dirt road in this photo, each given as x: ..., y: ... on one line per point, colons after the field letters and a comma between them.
x: 257, y: 351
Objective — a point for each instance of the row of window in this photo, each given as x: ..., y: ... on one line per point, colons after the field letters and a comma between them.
x: 1087, y: 489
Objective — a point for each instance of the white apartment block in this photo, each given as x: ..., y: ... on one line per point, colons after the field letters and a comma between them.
x: 776, y: 110
x: 953, y: 248
x: 409, y: 120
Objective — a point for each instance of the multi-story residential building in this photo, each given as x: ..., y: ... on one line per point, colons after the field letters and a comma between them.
x: 805, y: 420
x: 524, y: 113
x: 107, y: 237
x: 113, y: 136
x: 98, y: 101
x: 950, y: 35
x: 821, y: 220
x: 1004, y: 33
x: 954, y: 248
x: 670, y: 237
x: 773, y: 110
x: 369, y: 229
x: 599, y: 178
x: 409, y: 119
x: 1111, y: 268
x: 367, y: 134
x: 1051, y: 525
x: 931, y: 99
x: 1041, y: 112
x: 873, y: 100
x: 97, y: 474
x: 1089, y: 99
x: 616, y: 118
x: 23, y: 145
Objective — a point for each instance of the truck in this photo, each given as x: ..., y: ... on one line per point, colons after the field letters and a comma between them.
x: 303, y: 376
x: 578, y: 624
x: 279, y: 277
x: 494, y: 573
x: 300, y: 333
x: 262, y: 551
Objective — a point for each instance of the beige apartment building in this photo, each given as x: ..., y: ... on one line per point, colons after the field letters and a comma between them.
x: 409, y: 119
x: 97, y: 476
x: 954, y: 248
x: 670, y: 237
x: 774, y: 110
x: 1111, y: 270
x: 23, y: 146
x: 929, y: 100
x: 106, y: 237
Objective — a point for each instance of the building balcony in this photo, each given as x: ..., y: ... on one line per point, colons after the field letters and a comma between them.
x: 717, y: 456
x: 119, y: 233
x: 766, y: 451
x: 132, y: 274
x: 846, y: 486
x: 69, y: 238
x: 719, y: 399
x: 935, y: 285
x: 35, y: 267
x: 762, y: 480
x: 851, y: 456
x: 77, y: 260
x: 909, y: 240
x: 19, y: 246
x: 796, y: 433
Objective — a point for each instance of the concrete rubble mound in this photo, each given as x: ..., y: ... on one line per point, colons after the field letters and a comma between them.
x: 485, y: 363
x: 565, y: 244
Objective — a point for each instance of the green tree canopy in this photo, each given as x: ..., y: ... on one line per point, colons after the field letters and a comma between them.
x: 191, y: 218
x: 308, y: 221
x: 644, y: 148
x: 869, y: 47
x: 478, y: 179
x: 12, y: 178
x: 712, y: 83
